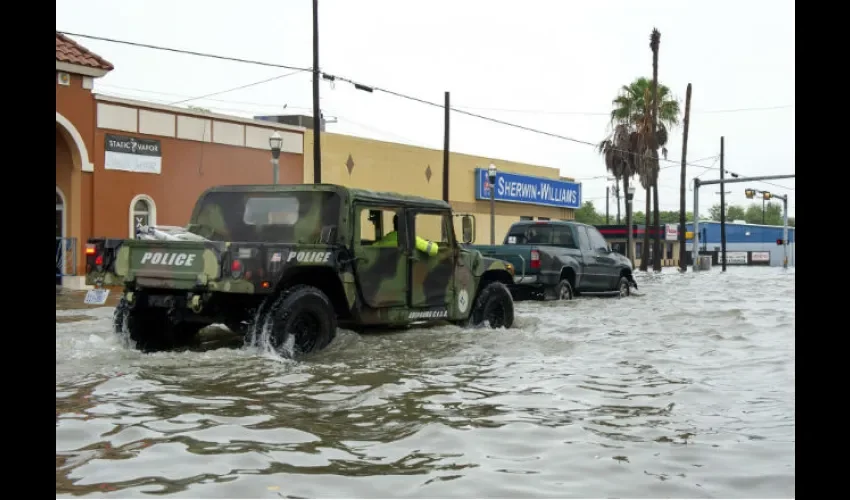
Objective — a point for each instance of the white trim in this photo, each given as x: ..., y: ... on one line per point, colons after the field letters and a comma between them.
x: 87, y: 166
x: 151, y: 213
x: 78, y: 69
x: 64, y: 226
x: 190, y: 112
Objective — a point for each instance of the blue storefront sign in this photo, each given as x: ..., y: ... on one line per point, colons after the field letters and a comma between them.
x: 516, y: 188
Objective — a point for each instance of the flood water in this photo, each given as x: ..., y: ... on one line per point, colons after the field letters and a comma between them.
x: 687, y: 390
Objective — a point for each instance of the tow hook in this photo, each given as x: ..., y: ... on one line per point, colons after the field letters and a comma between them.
x: 196, y: 304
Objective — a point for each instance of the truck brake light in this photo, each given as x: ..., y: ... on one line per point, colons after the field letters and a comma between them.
x: 535, y: 259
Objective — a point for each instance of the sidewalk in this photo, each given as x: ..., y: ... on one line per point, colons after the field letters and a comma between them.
x: 73, y: 299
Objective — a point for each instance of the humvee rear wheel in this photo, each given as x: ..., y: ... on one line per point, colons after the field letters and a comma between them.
x: 495, y: 306
x: 301, y: 319
x: 150, y: 329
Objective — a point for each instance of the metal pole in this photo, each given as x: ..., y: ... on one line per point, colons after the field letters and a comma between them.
x: 607, y: 203
x: 492, y: 212
x: 275, y: 171
x: 617, y: 194
x: 446, y: 151
x: 785, y: 235
x: 722, y: 211
x: 683, y: 264
x: 695, y: 249
x: 317, y: 114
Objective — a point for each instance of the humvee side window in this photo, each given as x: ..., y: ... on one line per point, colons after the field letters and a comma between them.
x: 375, y: 223
x: 433, y: 227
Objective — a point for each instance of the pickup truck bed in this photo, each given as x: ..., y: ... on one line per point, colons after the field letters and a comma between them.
x: 545, y: 253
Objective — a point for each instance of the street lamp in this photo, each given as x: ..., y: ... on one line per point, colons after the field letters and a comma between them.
x: 275, y: 143
x: 491, y: 175
x: 629, y: 231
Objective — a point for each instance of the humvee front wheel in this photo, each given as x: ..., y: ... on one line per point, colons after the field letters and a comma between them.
x: 301, y: 321
x: 495, y: 306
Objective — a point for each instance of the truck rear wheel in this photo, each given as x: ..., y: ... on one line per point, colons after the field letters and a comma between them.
x: 150, y: 329
x: 495, y: 306
x: 302, y: 319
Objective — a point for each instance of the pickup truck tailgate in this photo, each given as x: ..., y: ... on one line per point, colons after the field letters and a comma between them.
x: 172, y: 264
x: 518, y: 255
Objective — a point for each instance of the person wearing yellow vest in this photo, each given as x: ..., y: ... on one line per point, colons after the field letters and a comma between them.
x: 391, y: 240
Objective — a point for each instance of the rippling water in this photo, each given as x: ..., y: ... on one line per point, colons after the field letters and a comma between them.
x: 687, y: 391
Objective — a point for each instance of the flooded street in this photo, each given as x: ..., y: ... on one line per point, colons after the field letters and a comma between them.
x: 687, y: 390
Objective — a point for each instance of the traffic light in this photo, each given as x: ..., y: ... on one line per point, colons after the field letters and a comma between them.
x: 749, y: 193
x: 766, y: 195
x: 780, y: 241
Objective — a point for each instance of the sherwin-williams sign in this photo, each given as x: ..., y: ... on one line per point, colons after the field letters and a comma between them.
x: 517, y: 188
x: 133, y: 154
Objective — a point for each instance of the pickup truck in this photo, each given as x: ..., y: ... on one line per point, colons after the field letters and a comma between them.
x: 561, y: 260
x: 285, y: 264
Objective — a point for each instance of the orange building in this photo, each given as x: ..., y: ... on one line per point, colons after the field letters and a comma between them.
x: 121, y: 162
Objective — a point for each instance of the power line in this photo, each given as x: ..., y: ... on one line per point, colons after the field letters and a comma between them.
x: 278, y: 77
x: 599, y: 113
x: 331, y: 77
x: 187, y: 52
x: 357, y: 85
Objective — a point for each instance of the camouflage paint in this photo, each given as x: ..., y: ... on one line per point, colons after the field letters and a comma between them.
x: 377, y: 282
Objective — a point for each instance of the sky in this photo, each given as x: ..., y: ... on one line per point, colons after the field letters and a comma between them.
x: 551, y: 65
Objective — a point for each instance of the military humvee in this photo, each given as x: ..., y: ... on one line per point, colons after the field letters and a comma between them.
x: 294, y: 262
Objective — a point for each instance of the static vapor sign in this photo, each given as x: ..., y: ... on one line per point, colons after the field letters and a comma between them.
x: 133, y: 154
x: 527, y: 189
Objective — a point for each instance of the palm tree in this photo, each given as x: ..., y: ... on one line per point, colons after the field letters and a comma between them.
x: 633, y: 108
x: 618, y: 149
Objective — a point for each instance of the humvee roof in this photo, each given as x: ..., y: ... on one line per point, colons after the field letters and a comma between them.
x: 354, y: 193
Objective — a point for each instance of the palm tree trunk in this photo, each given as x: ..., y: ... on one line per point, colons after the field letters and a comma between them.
x: 656, y: 253
x: 654, y: 42
x: 628, y: 207
x: 644, y: 255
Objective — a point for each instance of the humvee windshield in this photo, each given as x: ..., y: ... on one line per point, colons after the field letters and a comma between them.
x: 294, y: 216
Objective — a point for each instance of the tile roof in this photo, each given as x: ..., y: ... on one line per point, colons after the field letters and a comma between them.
x: 71, y: 52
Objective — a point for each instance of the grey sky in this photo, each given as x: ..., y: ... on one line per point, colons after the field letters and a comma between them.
x: 561, y: 60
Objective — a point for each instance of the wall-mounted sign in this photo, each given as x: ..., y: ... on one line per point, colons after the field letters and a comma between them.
x: 671, y: 232
x: 133, y: 154
x: 760, y: 256
x: 736, y: 258
x: 516, y: 188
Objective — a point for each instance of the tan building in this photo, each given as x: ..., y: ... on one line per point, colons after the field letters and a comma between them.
x: 386, y: 166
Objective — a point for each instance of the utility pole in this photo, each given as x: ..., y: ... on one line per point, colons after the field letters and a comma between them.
x: 683, y: 252
x: 722, y: 209
x: 446, y: 149
x: 317, y: 115
x: 607, y: 202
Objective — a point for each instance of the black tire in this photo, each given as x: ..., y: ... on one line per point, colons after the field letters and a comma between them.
x: 624, y: 287
x: 495, y: 306
x: 564, y: 290
x: 303, y: 312
x: 150, y: 329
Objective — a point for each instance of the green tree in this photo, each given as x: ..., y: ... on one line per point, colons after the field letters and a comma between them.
x: 639, y: 139
x: 733, y: 212
x: 772, y: 214
x: 587, y: 214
